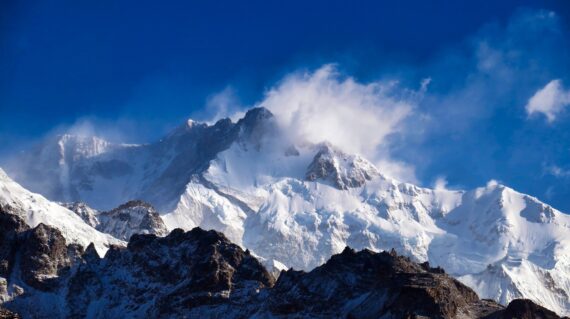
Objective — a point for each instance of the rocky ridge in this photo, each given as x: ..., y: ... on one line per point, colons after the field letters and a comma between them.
x: 202, y: 274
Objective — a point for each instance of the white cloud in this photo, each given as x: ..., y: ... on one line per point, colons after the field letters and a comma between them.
x: 557, y: 171
x: 222, y: 105
x: 440, y: 184
x: 356, y: 117
x: 397, y: 169
x: 110, y: 130
x: 493, y: 183
x: 550, y: 100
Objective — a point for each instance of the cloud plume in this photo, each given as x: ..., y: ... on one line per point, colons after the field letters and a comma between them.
x: 357, y: 117
x: 549, y: 101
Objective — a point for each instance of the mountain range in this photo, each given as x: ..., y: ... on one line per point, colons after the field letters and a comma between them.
x: 292, y: 205
x: 201, y: 274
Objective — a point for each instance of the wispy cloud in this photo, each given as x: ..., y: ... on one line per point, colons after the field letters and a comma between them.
x: 224, y: 104
x: 471, y: 124
x: 550, y: 101
x: 325, y: 105
x: 557, y: 171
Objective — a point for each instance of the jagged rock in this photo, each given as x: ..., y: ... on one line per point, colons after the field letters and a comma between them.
x: 90, y: 254
x: 88, y: 214
x: 7, y: 314
x: 38, y: 261
x: 373, y: 285
x: 341, y: 170
x: 201, y: 274
x: 181, y: 273
x: 524, y: 309
x: 43, y: 255
x: 133, y: 217
x: 10, y: 226
x: 256, y: 127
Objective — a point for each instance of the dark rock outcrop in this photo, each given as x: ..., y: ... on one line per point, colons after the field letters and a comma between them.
x: 374, y: 285
x: 7, y: 314
x: 201, y: 274
x: 44, y: 255
x: 40, y: 253
x: 33, y: 260
x: 181, y: 273
x: 10, y: 226
x: 524, y: 309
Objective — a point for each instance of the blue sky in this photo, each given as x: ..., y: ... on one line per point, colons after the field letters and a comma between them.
x: 133, y: 70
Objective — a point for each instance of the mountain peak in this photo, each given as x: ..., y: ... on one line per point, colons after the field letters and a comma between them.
x: 342, y: 170
x: 257, y: 113
x: 132, y: 217
x: 257, y: 124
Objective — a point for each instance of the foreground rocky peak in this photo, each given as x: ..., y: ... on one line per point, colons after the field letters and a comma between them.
x: 375, y: 285
x: 202, y: 274
x: 158, y: 275
x: 7, y: 314
x: 32, y: 259
x: 181, y: 274
x: 184, y: 272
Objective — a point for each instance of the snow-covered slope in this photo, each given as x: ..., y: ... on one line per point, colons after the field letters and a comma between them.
x: 504, y: 244
x: 133, y: 217
x: 36, y: 209
x: 297, y: 204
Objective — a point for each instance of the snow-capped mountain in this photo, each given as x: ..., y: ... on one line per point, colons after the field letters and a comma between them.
x: 297, y: 203
x: 133, y: 217
x: 35, y: 209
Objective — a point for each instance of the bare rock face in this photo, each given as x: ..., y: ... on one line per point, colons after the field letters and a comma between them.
x: 41, y: 253
x: 524, y: 309
x: 7, y: 314
x: 133, y: 217
x: 88, y: 214
x: 44, y: 255
x: 182, y: 273
x: 10, y: 227
x: 201, y: 274
x: 374, y: 285
x: 339, y: 169
x: 32, y: 259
